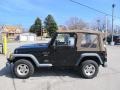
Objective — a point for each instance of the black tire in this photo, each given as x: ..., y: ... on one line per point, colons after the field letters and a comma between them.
x: 84, y: 73
x: 29, y: 66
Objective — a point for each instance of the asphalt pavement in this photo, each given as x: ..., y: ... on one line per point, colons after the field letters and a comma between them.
x: 59, y: 79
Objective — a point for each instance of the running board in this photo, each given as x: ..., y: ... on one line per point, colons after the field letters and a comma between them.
x: 45, y: 65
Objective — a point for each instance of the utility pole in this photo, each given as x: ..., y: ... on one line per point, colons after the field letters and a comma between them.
x: 106, y: 28
x: 98, y: 24
x: 113, y: 6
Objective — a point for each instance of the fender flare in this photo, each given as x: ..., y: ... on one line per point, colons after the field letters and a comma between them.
x: 89, y: 55
x: 33, y: 58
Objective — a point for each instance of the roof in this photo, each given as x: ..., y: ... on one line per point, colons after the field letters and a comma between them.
x: 79, y: 31
x: 11, y: 29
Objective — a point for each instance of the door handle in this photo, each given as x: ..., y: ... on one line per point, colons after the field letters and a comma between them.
x: 45, y: 53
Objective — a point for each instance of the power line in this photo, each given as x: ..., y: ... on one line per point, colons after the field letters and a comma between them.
x: 92, y: 8
x: 89, y: 7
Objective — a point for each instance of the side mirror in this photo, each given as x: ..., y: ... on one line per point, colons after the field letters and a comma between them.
x: 57, y: 42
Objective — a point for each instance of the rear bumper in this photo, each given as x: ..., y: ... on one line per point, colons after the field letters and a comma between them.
x: 105, y: 64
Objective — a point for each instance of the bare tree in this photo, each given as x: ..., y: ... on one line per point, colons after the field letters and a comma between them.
x: 100, y: 24
x: 75, y: 23
x: 62, y: 27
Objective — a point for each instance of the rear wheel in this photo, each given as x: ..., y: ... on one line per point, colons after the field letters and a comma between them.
x: 89, y: 69
x: 23, y: 69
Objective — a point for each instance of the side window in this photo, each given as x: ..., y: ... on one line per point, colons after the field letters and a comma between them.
x: 65, y: 40
x: 89, y: 41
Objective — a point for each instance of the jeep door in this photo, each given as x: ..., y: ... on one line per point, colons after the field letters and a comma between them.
x: 64, y: 49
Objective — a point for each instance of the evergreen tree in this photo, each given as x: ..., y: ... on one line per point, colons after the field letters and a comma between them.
x: 36, y: 27
x: 50, y: 25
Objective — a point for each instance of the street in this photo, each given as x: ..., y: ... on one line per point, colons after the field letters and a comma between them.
x: 58, y: 79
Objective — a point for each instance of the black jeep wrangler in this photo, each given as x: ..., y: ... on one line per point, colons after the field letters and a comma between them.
x: 80, y: 49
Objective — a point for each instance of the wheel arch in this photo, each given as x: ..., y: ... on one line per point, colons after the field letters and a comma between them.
x: 90, y: 56
x: 29, y: 57
x: 26, y: 58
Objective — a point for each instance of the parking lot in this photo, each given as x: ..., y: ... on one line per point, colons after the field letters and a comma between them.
x: 59, y: 79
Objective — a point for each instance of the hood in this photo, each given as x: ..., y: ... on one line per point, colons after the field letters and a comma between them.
x: 31, y: 48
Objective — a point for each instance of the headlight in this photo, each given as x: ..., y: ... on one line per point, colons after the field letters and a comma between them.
x: 11, y: 56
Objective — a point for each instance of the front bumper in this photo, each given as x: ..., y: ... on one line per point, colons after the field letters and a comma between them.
x: 9, y: 60
x: 8, y: 63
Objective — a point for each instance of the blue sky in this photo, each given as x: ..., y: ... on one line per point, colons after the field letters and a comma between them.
x: 24, y: 12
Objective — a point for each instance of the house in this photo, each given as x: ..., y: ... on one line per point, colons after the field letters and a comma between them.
x: 11, y: 31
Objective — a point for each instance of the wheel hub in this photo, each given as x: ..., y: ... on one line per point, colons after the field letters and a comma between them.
x: 22, y: 69
x: 89, y: 69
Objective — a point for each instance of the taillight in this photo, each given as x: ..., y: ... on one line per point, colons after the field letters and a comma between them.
x: 105, y: 53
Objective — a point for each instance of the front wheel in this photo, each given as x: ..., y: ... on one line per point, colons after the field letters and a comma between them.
x: 89, y: 69
x: 23, y: 68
